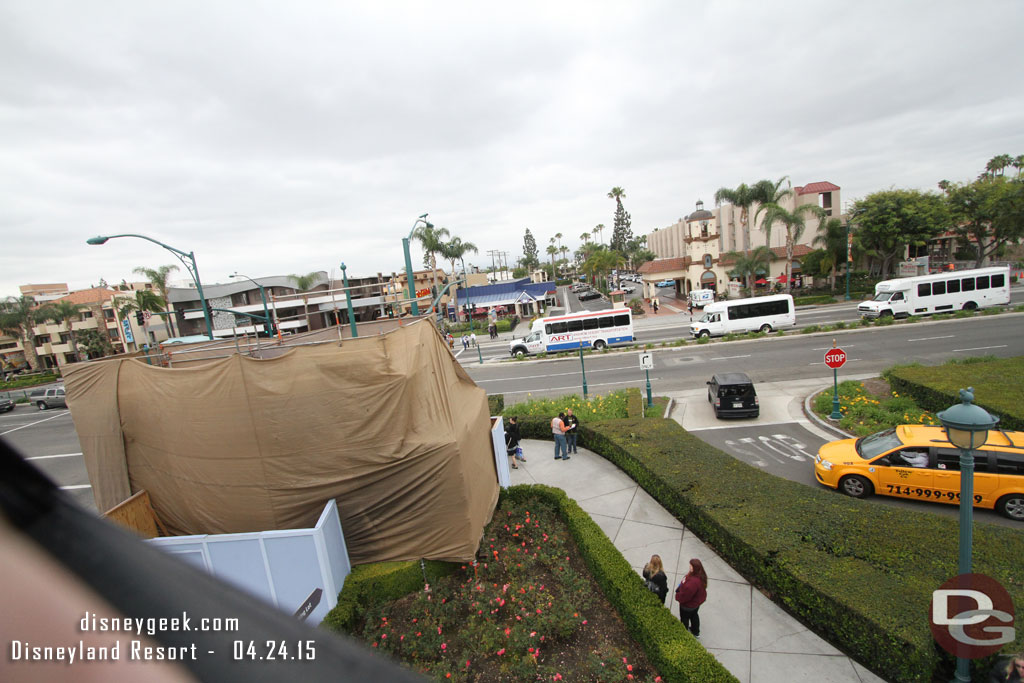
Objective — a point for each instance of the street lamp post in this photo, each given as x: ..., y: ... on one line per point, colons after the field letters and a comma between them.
x: 190, y: 266
x: 263, y: 295
x: 849, y: 257
x: 967, y: 427
x: 348, y: 302
x: 583, y: 370
x: 408, y: 261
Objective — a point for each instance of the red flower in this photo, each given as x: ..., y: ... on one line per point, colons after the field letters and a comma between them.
x: 501, y: 652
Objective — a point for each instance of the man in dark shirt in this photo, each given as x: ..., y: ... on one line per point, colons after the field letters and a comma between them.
x: 571, y: 430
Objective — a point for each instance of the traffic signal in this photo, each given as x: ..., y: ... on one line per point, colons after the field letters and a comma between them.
x: 140, y: 318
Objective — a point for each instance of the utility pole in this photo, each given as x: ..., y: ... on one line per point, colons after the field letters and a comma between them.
x: 493, y: 253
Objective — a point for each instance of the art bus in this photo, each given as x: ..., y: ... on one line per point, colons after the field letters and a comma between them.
x: 586, y: 329
x: 737, y: 316
x: 955, y: 290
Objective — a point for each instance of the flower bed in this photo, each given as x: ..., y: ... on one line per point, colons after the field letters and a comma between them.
x: 865, y: 412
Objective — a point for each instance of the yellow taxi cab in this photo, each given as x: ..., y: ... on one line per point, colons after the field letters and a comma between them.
x: 917, y: 461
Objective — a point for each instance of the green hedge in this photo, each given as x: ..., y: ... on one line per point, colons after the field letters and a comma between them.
x: 370, y: 585
x: 808, y: 300
x: 23, y: 382
x: 997, y: 386
x: 857, y: 573
x: 496, y: 403
x: 669, y: 646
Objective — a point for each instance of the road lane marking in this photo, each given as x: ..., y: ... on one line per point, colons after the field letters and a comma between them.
x: 982, y: 348
x: 803, y: 423
x: 948, y: 336
x: 729, y: 357
x: 554, y: 374
x: 848, y: 360
x: 76, y: 486
x: 572, y: 387
x: 33, y: 424
x: 45, y: 457
x: 829, y: 348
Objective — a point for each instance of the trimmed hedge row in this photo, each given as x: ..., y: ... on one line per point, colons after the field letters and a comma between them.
x: 496, y: 403
x: 370, y: 585
x: 858, y: 573
x: 808, y: 300
x: 670, y: 647
x: 997, y: 387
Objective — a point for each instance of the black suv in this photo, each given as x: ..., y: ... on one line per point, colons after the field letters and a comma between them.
x: 733, y: 395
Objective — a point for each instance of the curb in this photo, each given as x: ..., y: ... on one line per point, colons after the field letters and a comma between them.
x: 824, y: 424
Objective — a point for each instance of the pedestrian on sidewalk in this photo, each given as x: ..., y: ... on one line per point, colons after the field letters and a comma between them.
x: 465, y: 342
x: 571, y: 430
x: 654, y: 304
x: 558, y: 431
x: 655, y: 578
x: 512, y: 442
x: 691, y: 594
x: 472, y: 339
x: 513, y: 428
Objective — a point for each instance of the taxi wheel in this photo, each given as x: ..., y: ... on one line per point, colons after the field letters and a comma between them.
x: 856, y: 486
x: 1012, y: 506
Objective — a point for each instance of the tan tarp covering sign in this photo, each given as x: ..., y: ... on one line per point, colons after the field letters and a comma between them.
x: 390, y: 425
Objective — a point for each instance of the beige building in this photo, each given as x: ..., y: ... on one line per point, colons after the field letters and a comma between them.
x: 692, y: 250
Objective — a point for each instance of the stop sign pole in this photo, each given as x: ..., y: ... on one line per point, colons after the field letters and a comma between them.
x: 835, y: 358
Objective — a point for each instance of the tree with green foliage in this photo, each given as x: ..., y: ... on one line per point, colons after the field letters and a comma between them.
x: 743, y: 198
x: 158, y: 278
x: 600, y: 262
x: 531, y: 258
x: 599, y: 228
x: 145, y: 300
x: 748, y: 264
x: 585, y: 237
x: 831, y: 238
x: 622, y: 232
x: 64, y: 312
x: 303, y: 284
x: 94, y: 344
x: 455, y: 249
x: 18, y: 317
x: 552, y: 250
x: 987, y: 213
x: 433, y: 241
x: 887, y: 222
x: 794, y: 223
x: 997, y: 165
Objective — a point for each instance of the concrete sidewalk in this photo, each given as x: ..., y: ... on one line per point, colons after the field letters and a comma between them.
x: 753, y: 638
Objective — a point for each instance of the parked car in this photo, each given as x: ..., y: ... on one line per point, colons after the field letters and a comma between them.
x: 919, y: 462
x: 666, y: 283
x: 6, y: 405
x: 588, y: 295
x: 51, y: 398
x: 733, y: 395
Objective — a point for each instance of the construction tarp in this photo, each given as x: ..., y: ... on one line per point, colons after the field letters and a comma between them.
x: 390, y: 425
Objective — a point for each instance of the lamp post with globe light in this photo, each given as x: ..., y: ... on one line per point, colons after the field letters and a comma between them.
x: 967, y: 427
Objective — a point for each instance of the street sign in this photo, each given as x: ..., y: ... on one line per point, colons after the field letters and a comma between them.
x: 147, y: 315
x: 835, y: 358
x: 646, y: 361
x: 309, y: 605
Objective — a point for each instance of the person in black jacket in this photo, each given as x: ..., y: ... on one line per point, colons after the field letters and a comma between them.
x: 571, y: 430
x: 654, y: 576
x: 1010, y: 670
x: 512, y: 438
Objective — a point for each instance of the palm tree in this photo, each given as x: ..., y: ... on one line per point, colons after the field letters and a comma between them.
x: 998, y: 164
x: 433, y: 243
x: 599, y: 228
x: 742, y: 197
x: 552, y: 249
x: 1018, y: 163
x: 63, y: 311
x: 159, y: 279
x: 795, y: 223
x: 832, y: 238
x: 145, y: 300
x: 304, y: 283
x: 558, y: 236
x: 454, y: 251
x: 18, y: 317
x: 750, y: 263
x: 768, y: 194
x: 585, y: 237
x: 618, y: 194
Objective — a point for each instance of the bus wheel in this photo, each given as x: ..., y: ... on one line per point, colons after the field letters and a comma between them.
x: 766, y: 329
x: 1012, y: 506
x: 856, y: 486
x: 970, y: 306
x: 599, y: 345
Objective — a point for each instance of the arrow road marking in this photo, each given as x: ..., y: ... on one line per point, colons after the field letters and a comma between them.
x: 767, y: 443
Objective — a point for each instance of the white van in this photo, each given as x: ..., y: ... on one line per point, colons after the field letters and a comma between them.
x: 702, y: 297
x: 760, y: 313
x: 940, y: 292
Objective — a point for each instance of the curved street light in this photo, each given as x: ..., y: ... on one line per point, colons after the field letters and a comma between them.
x: 190, y: 266
x: 263, y: 295
x: 408, y: 262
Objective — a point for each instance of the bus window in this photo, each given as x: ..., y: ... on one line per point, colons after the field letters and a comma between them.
x: 968, y: 284
x: 924, y: 289
x: 559, y: 328
x: 982, y: 282
x: 575, y: 326
x: 591, y: 324
x: 953, y: 287
x: 997, y: 281
x: 938, y: 288
x: 607, y: 321
x: 621, y: 320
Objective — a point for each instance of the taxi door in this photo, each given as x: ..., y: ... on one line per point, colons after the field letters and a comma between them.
x: 947, y: 477
x: 896, y: 477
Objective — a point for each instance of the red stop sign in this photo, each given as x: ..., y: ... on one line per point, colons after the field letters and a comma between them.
x: 835, y: 358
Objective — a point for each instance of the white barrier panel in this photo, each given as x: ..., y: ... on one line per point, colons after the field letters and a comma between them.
x: 500, y: 452
x: 283, y: 567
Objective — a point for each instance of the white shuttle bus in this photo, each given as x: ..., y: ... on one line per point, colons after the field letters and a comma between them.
x: 586, y: 329
x: 737, y: 316
x: 954, y: 290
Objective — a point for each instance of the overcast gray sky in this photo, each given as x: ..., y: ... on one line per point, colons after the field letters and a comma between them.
x: 286, y: 137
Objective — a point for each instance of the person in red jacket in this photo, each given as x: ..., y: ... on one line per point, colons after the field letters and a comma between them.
x: 691, y: 594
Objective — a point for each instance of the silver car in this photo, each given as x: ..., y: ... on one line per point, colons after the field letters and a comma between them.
x: 51, y: 398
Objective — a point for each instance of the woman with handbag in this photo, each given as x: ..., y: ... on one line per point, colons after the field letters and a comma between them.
x: 655, y: 578
x: 512, y: 438
x: 691, y: 594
